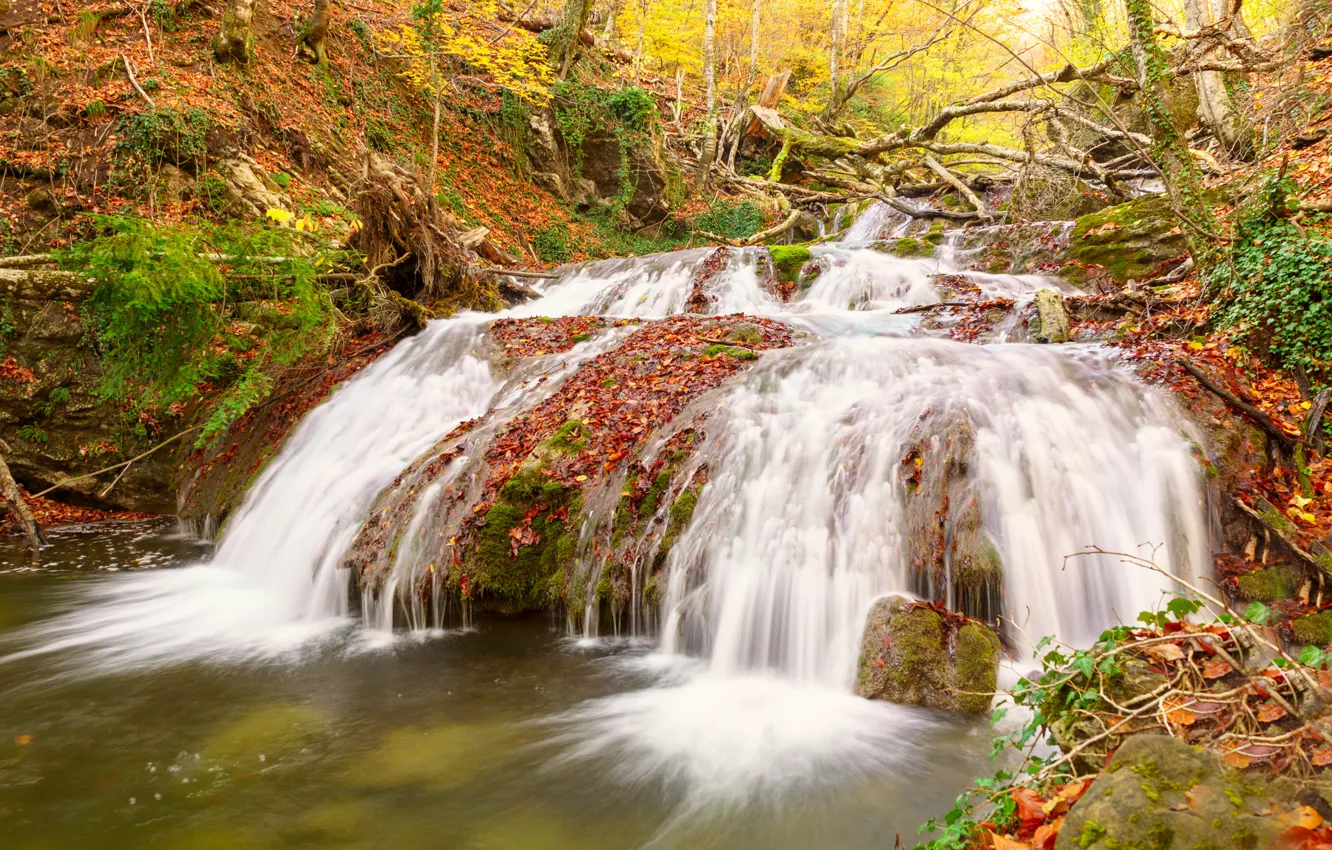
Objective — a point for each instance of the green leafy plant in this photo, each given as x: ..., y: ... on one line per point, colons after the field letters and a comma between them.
x: 165, y: 136
x: 283, y: 179
x: 168, y: 323
x: 731, y: 221
x: 553, y: 243
x: 33, y: 434
x: 1275, y: 285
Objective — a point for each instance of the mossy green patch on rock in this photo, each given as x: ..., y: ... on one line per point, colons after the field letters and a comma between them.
x: 568, y: 438
x: 731, y: 350
x: 1313, y: 629
x: 682, y: 511
x: 520, y: 546
x: 787, y: 260
x: 1052, y: 317
x: 906, y: 658
x: 911, y: 247
x: 1159, y: 792
x: 1270, y: 584
x: 1131, y: 240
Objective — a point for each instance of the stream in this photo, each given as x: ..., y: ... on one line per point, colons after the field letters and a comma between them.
x: 162, y: 692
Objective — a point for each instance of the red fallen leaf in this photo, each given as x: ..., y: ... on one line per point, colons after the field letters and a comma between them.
x: 1322, y: 756
x: 1001, y: 842
x: 1236, y: 759
x: 1215, y: 669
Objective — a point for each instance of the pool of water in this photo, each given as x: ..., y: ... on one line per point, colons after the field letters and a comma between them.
x: 510, y: 735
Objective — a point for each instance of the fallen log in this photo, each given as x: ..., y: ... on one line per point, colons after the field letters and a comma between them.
x: 1262, y: 419
x: 11, y: 495
x: 1317, y: 555
x: 924, y: 308
x: 43, y: 285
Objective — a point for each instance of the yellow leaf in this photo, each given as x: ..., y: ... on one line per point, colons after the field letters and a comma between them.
x: 1195, y: 346
x: 280, y: 216
x: 581, y: 478
x: 1305, y: 405
x: 1299, y: 501
x: 1309, y: 518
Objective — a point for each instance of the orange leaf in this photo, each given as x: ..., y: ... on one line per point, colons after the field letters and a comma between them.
x: 1270, y: 711
x: 1166, y: 652
x: 1045, y: 836
x: 1215, y: 669
x: 1177, y: 714
x: 1322, y: 756
x: 1003, y: 843
x: 1305, y: 817
x: 1030, y: 805
x: 1236, y: 759
x: 23, y: 740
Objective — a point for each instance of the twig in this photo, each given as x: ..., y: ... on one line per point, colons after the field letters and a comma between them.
x: 521, y: 273
x: 126, y: 463
x: 129, y: 71
x: 922, y: 308
x: 146, y: 37
x: 951, y: 179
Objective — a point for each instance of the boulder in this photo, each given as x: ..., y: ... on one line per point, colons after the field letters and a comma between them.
x: 1132, y: 241
x: 1160, y: 792
x: 250, y: 192
x: 1052, y: 316
x: 912, y: 654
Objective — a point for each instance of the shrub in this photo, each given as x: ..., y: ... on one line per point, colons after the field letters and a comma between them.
x: 162, y: 136
x: 553, y: 243
x: 732, y: 221
x: 1274, y: 287
x: 162, y: 317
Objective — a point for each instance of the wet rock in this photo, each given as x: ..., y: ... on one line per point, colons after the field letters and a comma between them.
x: 1160, y: 792
x: 911, y: 654
x: 1053, y: 316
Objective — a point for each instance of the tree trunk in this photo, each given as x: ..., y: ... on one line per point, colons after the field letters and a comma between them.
x: 235, y: 43
x: 566, y: 37
x: 608, y: 32
x: 638, y: 51
x: 316, y: 34
x: 1215, y: 107
x: 434, y: 134
x: 13, y: 496
x: 1169, y: 150
x: 754, y: 43
x: 709, y: 151
x: 835, y: 55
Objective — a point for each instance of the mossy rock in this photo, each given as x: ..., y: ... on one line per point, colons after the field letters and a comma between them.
x: 1052, y: 325
x: 1159, y: 792
x: 787, y: 260
x: 905, y: 658
x: 1131, y: 240
x: 909, y: 247
x: 1313, y: 629
x: 1270, y: 584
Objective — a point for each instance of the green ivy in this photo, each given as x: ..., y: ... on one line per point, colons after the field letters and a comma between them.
x: 553, y: 243
x: 627, y: 114
x: 165, y: 136
x: 1275, y: 285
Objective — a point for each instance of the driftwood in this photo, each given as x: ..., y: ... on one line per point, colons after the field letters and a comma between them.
x: 1313, y: 431
x: 924, y: 308
x: 11, y: 495
x: 1264, y: 421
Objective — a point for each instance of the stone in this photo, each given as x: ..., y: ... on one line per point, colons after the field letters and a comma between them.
x: 1053, y: 316
x: 1132, y: 241
x: 250, y: 191
x: 1160, y: 792
x: 911, y: 656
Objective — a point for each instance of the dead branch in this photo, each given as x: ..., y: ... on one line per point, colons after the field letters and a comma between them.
x: 951, y: 179
x: 13, y: 496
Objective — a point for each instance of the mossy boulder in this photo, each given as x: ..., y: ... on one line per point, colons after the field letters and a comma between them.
x: 1052, y: 317
x: 1159, y: 792
x: 1270, y: 583
x: 1313, y: 629
x: 1132, y: 241
x: 788, y: 260
x: 912, y: 654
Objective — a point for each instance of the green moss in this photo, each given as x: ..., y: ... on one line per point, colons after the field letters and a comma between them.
x: 654, y: 494
x: 569, y: 439
x: 524, y: 578
x: 682, y: 511
x: 977, y: 658
x: 1131, y: 240
x: 1092, y: 832
x: 918, y: 651
x: 717, y: 349
x: 787, y: 260
x: 608, y: 383
x: 747, y: 334
x: 1269, y: 584
x: 1313, y: 629
x: 936, y: 234
x: 910, y: 247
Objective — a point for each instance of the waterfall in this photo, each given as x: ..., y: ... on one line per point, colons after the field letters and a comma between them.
x: 806, y: 518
